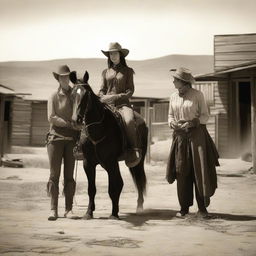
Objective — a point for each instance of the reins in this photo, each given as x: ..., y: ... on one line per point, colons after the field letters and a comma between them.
x: 95, y: 142
x: 95, y: 123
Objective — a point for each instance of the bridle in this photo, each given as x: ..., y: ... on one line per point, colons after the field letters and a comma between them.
x: 86, y: 127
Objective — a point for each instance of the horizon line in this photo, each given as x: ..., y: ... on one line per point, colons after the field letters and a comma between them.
x: 96, y: 58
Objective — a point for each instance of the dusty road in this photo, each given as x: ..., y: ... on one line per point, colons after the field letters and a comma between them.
x: 25, y: 229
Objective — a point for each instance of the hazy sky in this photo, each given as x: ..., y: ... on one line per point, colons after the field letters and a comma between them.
x: 51, y: 29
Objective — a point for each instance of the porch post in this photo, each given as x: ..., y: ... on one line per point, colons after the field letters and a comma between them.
x: 148, y: 123
x: 1, y: 128
x: 253, y: 123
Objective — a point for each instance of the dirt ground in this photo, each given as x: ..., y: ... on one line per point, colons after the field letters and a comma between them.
x: 25, y: 230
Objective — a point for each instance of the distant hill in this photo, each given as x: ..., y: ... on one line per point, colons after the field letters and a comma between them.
x: 152, y: 77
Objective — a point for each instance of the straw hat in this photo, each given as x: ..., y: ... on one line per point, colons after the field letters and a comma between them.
x: 115, y: 47
x: 184, y: 74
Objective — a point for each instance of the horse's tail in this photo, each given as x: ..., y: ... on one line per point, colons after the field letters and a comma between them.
x: 138, y: 172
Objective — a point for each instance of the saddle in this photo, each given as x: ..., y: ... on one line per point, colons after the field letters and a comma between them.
x: 121, y: 124
x: 125, y: 143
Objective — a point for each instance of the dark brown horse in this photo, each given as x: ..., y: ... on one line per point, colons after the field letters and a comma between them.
x: 103, y: 145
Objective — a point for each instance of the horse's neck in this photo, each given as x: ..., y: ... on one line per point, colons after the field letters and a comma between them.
x: 94, y: 117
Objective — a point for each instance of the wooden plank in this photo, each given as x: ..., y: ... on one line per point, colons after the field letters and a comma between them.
x: 21, y: 122
x: 220, y: 99
x: 148, y: 123
x: 220, y: 64
x: 253, y: 121
x: 246, y: 56
x: 235, y: 38
x: 222, y: 132
x: 2, y: 109
x: 233, y: 48
x: 207, y: 88
x: 39, y: 123
x: 160, y: 112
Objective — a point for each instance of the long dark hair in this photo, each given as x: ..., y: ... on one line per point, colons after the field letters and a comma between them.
x: 122, y: 61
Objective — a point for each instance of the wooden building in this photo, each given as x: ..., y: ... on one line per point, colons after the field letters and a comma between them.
x: 232, y: 88
x: 29, y: 122
x: 7, y: 96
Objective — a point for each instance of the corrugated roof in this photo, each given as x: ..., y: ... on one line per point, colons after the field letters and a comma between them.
x: 6, y: 90
x: 221, y: 74
x: 9, y: 91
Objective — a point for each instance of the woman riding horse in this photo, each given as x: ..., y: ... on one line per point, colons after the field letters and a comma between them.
x: 103, y: 145
x: 116, y: 89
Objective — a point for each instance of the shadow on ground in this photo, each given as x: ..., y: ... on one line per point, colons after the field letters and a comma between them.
x: 233, y: 217
x: 139, y: 219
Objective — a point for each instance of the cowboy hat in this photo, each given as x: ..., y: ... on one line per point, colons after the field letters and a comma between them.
x: 115, y: 47
x: 183, y: 74
x: 63, y: 70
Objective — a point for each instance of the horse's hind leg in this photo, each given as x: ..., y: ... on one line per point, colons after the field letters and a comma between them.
x: 139, y: 178
x: 138, y: 172
x: 115, y: 187
x: 90, y: 173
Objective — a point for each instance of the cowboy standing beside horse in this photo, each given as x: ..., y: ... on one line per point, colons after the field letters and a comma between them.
x: 61, y: 140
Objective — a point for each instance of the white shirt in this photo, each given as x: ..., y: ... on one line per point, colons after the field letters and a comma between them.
x: 191, y: 105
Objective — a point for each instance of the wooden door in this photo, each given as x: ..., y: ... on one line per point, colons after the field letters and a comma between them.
x: 239, y: 117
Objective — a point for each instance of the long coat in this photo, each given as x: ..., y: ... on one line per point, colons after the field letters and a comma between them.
x: 198, y: 145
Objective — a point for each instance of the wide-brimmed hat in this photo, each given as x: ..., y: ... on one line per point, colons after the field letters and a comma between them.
x: 115, y: 47
x: 183, y: 74
x: 63, y: 70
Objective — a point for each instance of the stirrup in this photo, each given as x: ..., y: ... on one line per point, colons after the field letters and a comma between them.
x: 133, y: 157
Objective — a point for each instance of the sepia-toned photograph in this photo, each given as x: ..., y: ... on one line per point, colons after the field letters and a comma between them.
x: 128, y: 127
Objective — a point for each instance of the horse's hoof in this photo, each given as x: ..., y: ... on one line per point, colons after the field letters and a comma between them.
x: 113, y: 217
x: 139, y: 209
x: 88, y: 216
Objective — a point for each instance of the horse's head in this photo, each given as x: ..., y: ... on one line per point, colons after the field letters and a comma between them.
x: 80, y: 95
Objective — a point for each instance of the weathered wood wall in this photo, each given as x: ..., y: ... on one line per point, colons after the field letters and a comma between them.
x: 253, y: 106
x: 1, y: 126
x: 216, y: 96
x: 39, y: 123
x: 29, y: 122
x: 21, y: 122
x: 159, y: 125
x: 220, y: 110
x: 231, y: 50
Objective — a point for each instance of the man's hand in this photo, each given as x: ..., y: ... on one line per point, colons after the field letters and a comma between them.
x: 69, y: 124
x: 73, y: 125
x: 109, y: 99
x: 76, y: 126
x: 175, y: 125
x: 186, y: 125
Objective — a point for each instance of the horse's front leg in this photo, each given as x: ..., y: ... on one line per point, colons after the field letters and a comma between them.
x: 90, y: 170
x: 115, y: 187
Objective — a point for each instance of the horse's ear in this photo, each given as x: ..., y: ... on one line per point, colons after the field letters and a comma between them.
x: 73, y: 77
x: 86, y: 77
